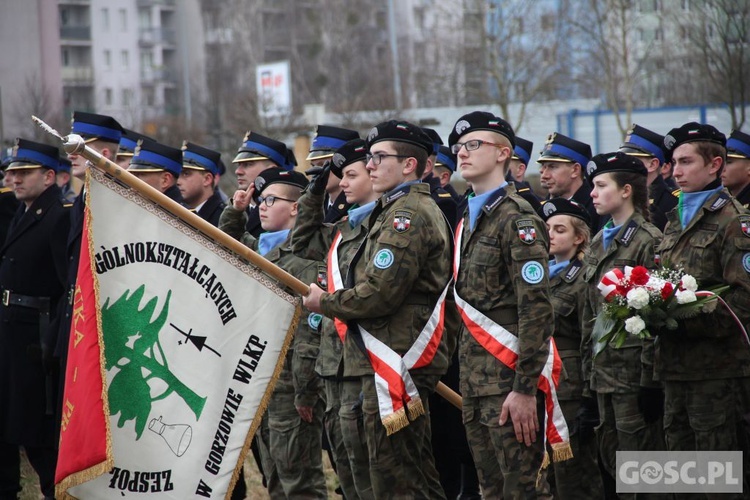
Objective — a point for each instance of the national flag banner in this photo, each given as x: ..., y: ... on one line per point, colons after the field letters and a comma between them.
x: 175, y: 346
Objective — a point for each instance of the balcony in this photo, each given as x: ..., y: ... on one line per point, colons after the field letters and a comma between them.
x: 151, y: 3
x: 157, y: 75
x: 74, y: 2
x: 156, y: 36
x: 75, y: 33
x: 82, y: 76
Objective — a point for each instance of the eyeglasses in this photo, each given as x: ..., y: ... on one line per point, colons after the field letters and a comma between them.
x: 270, y: 200
x: 378, y: 157
x: 472, y: 145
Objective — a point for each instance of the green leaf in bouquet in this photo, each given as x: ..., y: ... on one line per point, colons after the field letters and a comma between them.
x: 603, y: 330
x: 671, y: 324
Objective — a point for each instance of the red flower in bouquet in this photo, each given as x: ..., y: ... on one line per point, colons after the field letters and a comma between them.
x: 639, y: 276
x: 667, y: 290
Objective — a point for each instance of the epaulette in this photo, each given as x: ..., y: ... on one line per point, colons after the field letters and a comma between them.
x: 5, y: 190
x: 67, y: 205
x: 676, y: 193
x: 444, y: 195
x: 722, y: 200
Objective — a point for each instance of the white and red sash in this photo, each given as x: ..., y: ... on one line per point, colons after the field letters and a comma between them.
x: 503, y: 345
x: 394, y: 386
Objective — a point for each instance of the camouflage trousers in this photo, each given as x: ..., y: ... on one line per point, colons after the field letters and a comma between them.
x: 622, y: 427
x: 401, y: 465
x: 703, y: 415
x: 351, y: 423
x: 332, y: 426
x: 578, y: 477
x: 290, y: 449
x: 506, y: 468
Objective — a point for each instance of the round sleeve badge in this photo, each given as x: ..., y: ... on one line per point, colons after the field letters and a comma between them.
x: 746, y: 262
x: 532, y: 272
x: 383, y: 259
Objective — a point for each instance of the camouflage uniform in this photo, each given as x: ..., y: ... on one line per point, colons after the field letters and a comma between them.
x: 617, y: 375
x: 578, y: 476
x: 492, y: 257
x: 343, y: 422
x: 706, y: 360
x: 294, y: 446
x: 393, y: 303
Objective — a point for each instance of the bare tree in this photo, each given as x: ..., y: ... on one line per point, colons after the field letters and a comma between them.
x: 36, y: 99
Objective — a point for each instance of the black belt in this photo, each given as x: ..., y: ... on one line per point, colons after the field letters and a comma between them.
x: 16, y: 299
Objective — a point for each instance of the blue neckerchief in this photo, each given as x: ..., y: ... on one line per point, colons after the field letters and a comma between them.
x: 609, y: 232
x: 690, y: 203
x: 555, y: 267
x: 269, y: 241
x: 357, y: 214
x: 478, y: 201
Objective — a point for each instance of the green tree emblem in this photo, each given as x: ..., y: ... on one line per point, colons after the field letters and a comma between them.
x: 132, y: 345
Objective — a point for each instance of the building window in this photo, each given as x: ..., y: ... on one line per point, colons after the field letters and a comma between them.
x: 107, y: 59
x: 108, y: 97
x: 149, y: 97
x: 686, y: 5
x: 123, y: 20
x: 127, y: 97
x: 65, y: 57
x: 124, y: 59
x: 64, y: 17
x: 105, y: 19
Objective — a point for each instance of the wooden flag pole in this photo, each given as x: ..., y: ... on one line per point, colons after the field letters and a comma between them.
x: 74, y: 144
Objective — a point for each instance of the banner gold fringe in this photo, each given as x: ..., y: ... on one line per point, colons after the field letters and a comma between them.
x: 395, y: 422
x: 561, y: 452
x: 416, y: 408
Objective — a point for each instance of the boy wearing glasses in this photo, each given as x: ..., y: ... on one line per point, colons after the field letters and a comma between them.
x: 502, y: 292
x: 290, y: 436
x: 393, y: 301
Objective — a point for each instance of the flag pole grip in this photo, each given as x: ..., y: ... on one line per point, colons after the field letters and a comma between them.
x: 449, y: 395
x: 74, y: 144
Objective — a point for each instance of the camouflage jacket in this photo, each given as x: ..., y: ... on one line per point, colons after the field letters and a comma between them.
x: 568, y: 295
x: 399, y: 272
x: 715, y: 249
x: 312, y: 238
x: 631, y: 366
x: 298, y: 375
x: 508, y: 242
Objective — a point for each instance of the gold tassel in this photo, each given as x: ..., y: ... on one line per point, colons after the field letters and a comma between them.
x: 545, y: 460
x: 395, y: 422
x: 561, y: 452
x: 416, y: 408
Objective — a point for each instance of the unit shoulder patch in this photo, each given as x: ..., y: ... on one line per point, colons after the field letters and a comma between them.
x: 526, y: 231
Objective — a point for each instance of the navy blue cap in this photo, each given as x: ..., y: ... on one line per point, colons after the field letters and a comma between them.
x: 29, y: 154
x: 693, y: 132
x: 399, y: 131
x: 562, y: 148
x: 351, y: 152
x: 197, y: 157
x: 481, y: 120
x: 435, y: 138
x: 738, y: 145
x: 523, y: 150
x: 65, y: 165
x: 128, y: 142
x: 564, y: 206
x: 328, y: 139
x: 614, y: 162
x: 91, y: 126
x: 150, y: 156
x: 446, y: 158
x: 259, y: 147
x: 642, y: 142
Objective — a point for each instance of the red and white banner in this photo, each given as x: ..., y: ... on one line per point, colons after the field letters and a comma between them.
x: 175, y: 345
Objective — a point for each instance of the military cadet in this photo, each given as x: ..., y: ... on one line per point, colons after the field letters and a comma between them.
x: 703, y: 361
x: 517, y: 172
x: 647, y: 146
x: 397, y: 281
x: 101, y: 133
x: 326, y: 141
x: 569, y: 235
x: 196, y: 182
x: 445, y: 167
x: 313, y: 239
x: 629, y: 400
x: 8, y: 201
x: 126, y: 147
x: 63, y: 180
x: 736, y: 173
x: 443, y: 198
x: 292, y: 455
x: 562, y: 172
x: 501, y: 288
x: 32, y: 279
x: 159, y: 166
x: 256, y: 154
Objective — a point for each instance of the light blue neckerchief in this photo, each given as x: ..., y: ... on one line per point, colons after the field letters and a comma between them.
x: 609, y: 232
x: 690, y: 203
x: 555, y: 267
x: 357, y: 214
x: 476, y: 203
x: 269, y: 241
